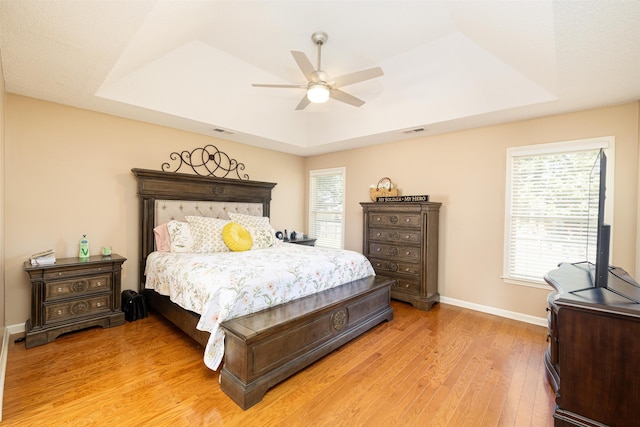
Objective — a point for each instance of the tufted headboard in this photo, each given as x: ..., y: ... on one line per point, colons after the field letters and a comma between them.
x: 167, y: 210
x: 170, y: 195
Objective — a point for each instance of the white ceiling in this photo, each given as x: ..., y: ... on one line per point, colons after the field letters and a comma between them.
x: 448, y: 65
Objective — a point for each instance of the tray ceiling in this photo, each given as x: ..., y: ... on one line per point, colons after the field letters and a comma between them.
x: 448, y: 65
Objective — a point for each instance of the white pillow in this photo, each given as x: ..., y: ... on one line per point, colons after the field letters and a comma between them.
x: 180, y: 235
x: 207, y: 234
x: 262, y: 233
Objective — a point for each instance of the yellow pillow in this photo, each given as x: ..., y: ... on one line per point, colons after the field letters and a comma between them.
x: 236, y: 237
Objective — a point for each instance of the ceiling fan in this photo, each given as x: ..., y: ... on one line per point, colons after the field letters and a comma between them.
x: 320, y: 87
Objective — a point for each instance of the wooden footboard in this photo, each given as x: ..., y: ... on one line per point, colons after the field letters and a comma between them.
x: 264, y: 348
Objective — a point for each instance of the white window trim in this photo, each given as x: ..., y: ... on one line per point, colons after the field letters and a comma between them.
x: 328, y: 171
x: 607, y: 143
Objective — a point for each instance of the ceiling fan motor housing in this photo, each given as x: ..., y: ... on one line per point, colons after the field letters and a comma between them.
x: 319, y: 37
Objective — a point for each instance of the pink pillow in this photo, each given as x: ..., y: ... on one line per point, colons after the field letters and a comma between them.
x: 163, y: 239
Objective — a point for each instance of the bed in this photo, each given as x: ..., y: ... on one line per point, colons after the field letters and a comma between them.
x: 268, y: 343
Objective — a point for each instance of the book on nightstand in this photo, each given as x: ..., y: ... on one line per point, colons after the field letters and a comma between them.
x: 47, y: 257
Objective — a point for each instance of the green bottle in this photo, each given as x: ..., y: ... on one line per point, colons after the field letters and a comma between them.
x: 84, y: 247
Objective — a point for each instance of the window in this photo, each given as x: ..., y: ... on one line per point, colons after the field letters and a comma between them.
x: 326, y: 207
x: 547, y: 206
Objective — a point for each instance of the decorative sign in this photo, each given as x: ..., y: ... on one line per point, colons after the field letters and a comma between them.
x: 418, y: 198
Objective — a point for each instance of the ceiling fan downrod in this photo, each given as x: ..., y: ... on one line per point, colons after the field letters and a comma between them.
x: 319, y: 38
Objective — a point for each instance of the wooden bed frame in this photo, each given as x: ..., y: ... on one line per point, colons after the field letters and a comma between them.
x: 264, y: 348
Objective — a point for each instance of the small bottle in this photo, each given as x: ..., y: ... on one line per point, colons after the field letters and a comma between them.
x: 84, y: 247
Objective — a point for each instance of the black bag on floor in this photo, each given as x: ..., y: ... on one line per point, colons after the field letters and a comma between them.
x: 133, y: 305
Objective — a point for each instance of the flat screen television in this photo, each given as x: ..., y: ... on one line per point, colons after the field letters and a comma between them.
x: 599, y: 233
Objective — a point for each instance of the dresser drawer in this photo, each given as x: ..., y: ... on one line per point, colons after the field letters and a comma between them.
x: 384, y: 266
x: 394, y: 219
x: 403, y: 253
x: 74, y: 272
x: 406, y: 285
x: 76, y: 287
x: 69, y: 310
x: 395, y: 235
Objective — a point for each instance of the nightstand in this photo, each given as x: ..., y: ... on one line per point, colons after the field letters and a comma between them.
x: 73, y: 294
x: 308, y: 242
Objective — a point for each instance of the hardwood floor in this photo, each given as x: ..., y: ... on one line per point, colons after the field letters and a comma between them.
x: 446, y: 367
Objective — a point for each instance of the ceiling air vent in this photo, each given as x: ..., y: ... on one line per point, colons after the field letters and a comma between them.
x: 413, y: 130
x: 220, y: 130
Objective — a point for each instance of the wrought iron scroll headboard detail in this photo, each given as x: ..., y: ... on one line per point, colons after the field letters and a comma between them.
x: 206, y: 161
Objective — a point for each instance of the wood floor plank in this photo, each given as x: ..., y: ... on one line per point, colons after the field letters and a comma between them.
x: 448, y: 366
x: 443, y: 393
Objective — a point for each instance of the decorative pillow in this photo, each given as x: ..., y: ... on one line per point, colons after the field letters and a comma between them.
x: 263, y: 234
x: 180, y: 235
x: 162, y: 238
x: 236, y: 237
x: 207, y: 234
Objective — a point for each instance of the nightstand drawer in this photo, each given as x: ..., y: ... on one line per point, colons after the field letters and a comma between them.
x: 385, y: 266
x: 73, y: 272
x: 395, y: 219
x: 68, y: 310
x: 404, y: 253
x: 393, y: 235
x: 75, y: 287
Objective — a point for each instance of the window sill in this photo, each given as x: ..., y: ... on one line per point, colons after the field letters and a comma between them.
x: 528, y: 283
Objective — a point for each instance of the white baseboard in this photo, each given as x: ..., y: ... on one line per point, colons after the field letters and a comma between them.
x: 540, y: 321
x: 8, y: 331
x: 3, y: 364
x: 16, y: 329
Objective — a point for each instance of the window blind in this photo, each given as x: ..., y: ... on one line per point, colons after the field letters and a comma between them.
x: 548, y: 211
x: 326, y: 207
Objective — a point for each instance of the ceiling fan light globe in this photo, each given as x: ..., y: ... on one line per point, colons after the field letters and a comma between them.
x: 318, y: 93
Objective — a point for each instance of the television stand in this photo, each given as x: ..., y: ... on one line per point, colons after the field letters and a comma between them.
x: 592, y: 361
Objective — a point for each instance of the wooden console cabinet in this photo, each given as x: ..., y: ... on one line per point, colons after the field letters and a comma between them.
x: 593, y: 359
x: 73, y: 294
x: 401, y: 241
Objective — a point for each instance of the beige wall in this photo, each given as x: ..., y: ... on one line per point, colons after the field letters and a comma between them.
x: 638, y: 206
x: 2, y: 201
x: 466, y: 172
x: 68, y: 173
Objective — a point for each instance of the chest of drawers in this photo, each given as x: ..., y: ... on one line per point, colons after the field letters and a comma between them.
x: 73, y: 294
x: 401, y: 241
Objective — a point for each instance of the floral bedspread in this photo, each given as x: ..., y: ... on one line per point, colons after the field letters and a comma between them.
x: 226, y: 285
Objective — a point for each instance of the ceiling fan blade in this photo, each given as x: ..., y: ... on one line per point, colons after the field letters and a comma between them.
x: 357, y: 77
x: 285, y: 86
x: 303, y: 62
x: 303, y: 103
x: 339, y: 95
